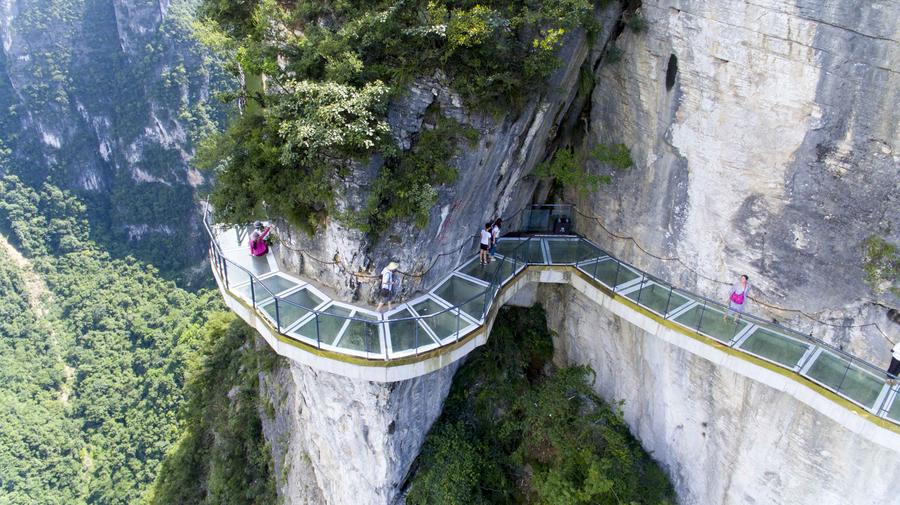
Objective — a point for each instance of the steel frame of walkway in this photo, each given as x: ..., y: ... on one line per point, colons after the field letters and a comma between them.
x: 453, y: 317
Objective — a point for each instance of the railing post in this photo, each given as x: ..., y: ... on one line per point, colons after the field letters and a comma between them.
x: 252, y: 293
x: 668, y: 301
x: 416, y: 332
x: 702, y: 311
x: 277, y: 316
x: 641, y: 288
x: 318, y: 340
x: 225, y: 274
x: 458, y: 315
x: 616, y: 280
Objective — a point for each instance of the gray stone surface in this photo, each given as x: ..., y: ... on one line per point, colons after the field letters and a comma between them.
x: 775, y: 153
x: 722, y: 437
x: 341, y: 441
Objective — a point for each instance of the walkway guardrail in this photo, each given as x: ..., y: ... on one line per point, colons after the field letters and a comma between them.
x: 460, y: 303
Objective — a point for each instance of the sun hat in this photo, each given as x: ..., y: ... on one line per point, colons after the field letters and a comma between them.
x: 393, y: 265
x: 258, y: 224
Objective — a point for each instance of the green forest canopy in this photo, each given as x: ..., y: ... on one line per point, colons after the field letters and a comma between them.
x: 516, y: 430
x: 334, y: 65
x: 92, y: 390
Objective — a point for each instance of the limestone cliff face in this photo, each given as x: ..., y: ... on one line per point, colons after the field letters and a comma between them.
x: 772, y: 151
x: 722, y: 437
x: 341, y: 441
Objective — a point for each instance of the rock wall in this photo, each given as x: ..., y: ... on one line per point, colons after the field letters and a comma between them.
x: 341, y: 441
x: 723, y: 438
x: 493, y: 180
x: 774, y: 152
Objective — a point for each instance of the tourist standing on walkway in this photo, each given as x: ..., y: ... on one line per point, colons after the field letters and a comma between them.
x: 258, y: 245
x: 485, y: 243
x: 737, y: 299
x: 388, y: 282
x: 495, y: 234
x: 894, y: 368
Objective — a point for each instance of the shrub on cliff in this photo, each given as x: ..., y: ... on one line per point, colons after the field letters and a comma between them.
x: 493, y: 54
x: 516, y: 430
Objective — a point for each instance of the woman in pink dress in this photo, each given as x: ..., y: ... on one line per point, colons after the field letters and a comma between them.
x: 258, y: 246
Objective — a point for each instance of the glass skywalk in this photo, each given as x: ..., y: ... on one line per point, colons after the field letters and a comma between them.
x: 458, y: 304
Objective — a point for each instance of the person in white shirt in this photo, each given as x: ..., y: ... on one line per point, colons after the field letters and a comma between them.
x: 485, y: 242
x: 894, y: 368
x: 388, y: 281
x: 495, y: 234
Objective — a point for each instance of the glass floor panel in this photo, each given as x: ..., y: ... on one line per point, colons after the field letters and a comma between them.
x: 331, y: 320
x: 712, y: 323
x: 531, y: 251
x: 488, y: 273
x: 852, y: 382
x: 408, y: 334
x: 444, y: 324
x: 605, y: 272
x: 773, y: 346
x: 361, y: 336
x: 257, y: 265
x: 894, y: 412
x: 457, y: 290
x: 656, y: 298
x: 572, y: 251
x: 274, y: 285
x: 292, y: 307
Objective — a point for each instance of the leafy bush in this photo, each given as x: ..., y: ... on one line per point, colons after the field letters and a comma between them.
x: 331, y: 66
x: 617, y: 156
x: 222, y: 456
x: 881, y: 262
x: 568, y: 171
x: 514, y: 430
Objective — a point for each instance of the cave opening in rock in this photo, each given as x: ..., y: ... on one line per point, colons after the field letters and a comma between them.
x: 671, y: 71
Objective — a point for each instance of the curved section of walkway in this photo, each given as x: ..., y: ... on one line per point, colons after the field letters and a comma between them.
x: 441, y: 326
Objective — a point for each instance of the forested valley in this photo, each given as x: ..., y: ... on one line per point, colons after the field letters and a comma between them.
x: 106, y: 367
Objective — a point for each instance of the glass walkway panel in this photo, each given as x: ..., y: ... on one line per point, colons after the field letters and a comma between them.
x: 572, y: 250
x: 407, y: 334
x: 775, y: 347
x: 292, y: 307
x: 710, y: 321
x: 610, y: 272
x: 443, y: 322
x: 456, y: 305
x: 324, y: 326
x: 522, y: 250
x: 845, y: 378
x: 488, y: 273
x: 894, y: 411
x: 265, y: 288
x: 457, y: 291
x: 361, y: 334
x: 657, y: 297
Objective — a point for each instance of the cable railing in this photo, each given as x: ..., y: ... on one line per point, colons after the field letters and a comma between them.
x: 460, y: 303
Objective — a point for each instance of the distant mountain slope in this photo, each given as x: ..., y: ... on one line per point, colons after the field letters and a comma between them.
x: 108, y: 98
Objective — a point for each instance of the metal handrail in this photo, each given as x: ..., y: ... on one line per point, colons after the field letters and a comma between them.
x: 518, y: 256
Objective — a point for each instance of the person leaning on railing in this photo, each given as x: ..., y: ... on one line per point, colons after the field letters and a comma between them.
x: 258, y: 244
